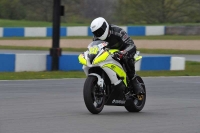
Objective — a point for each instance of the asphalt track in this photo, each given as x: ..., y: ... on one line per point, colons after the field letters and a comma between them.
x: 57, y: 106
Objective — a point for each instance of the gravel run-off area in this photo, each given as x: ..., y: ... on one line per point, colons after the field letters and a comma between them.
x: 83, y: 43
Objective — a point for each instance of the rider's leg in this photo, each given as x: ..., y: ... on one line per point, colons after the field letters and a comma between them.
x: 130, y: 66
x: 137, y: 88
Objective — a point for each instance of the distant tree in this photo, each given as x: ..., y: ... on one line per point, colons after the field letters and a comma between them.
x: 72, y: 11
x: 123, y: 12
x: 196, y: 14
x: 156, y: 11
x: 86, y: 10
x: 43, y: 10
x: 98, y: 8
x: 38, y: 9
x: 80, y: 11
x: 11, y: 9
x: 114, y: 11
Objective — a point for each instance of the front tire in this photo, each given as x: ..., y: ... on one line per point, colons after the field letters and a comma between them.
x: 92, y: 98
x: 136, y: 104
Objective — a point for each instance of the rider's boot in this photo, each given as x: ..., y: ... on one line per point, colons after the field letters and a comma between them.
x: 136, y: 86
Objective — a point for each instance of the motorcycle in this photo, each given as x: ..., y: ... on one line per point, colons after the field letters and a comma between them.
x: 107, y: 82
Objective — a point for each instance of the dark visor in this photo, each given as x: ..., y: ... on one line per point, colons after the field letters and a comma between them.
x: 101, y: 30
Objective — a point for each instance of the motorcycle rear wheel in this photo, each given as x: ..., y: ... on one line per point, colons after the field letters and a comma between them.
x: 135, y: 104
x: 93, y: 101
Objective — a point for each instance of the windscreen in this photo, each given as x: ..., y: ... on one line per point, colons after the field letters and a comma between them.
x: 94, y: 49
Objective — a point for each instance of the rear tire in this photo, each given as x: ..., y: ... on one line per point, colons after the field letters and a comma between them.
x: 136, y: 105
x: 93, y: 102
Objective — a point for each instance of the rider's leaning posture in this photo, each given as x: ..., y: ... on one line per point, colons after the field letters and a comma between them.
x: 117, y: 38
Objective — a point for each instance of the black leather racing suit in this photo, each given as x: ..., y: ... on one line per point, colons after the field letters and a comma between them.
x: 118, y: 39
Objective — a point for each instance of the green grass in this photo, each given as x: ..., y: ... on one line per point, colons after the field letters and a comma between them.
x: 40, y: 48
x: 169, y: 51
x: 22, y: 23
x: 26, y: 23
x: 44, y: 38
x: 164, y: 37
x: 167, y: 24
x: 192, y: 69
x: 167, y: 37
x: 40, y: 75
x: 148, y: 51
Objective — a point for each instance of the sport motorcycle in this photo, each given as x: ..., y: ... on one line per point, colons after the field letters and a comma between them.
x: 107, y: 82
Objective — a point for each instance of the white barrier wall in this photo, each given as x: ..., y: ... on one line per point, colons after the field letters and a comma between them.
x: 155, y: 30
x: 42, y: 62
x: 1, y: 32
x: 137, y: 65
x: 77, y: 31
x: 35, y: 32
x: 30, y: 62
x: 177, y: 63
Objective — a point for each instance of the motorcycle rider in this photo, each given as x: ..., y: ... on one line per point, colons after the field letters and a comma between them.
x: 117, y: 38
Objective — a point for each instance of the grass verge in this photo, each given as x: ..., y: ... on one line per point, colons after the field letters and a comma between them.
x: 192, y: 69
x: 148, y: 51
x: 169, y: 51
x: 40, y: 75
x: 167, y: 37
x: 40, y: 48
x: 164, y: 37
x: 27, y: 23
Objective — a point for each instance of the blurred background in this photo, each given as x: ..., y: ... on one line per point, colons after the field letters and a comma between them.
x: 123, y: 12
x: 158, y: 27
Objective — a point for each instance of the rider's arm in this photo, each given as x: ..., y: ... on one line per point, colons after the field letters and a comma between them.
x: 128, y: 44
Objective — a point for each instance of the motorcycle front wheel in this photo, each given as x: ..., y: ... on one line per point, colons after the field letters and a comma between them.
x: 93, y: 97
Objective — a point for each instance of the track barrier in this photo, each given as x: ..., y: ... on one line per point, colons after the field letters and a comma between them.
x: 67, y: 62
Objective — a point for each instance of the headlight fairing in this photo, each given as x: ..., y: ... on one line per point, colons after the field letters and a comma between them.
x: 82, y: 59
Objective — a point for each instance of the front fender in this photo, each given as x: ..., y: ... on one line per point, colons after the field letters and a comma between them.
x: 100, y: 81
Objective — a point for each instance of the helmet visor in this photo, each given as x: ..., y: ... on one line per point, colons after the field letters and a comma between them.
x: 101, y: 30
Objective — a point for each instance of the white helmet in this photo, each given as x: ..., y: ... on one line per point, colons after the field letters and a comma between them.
x: 99, y: 28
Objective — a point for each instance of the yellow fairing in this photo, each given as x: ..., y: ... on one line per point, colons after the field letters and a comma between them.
x: 112, y: 51
x: 82, y: 60
x: 120, y: 72
x: 101, y: 58
x: 138, y: 58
